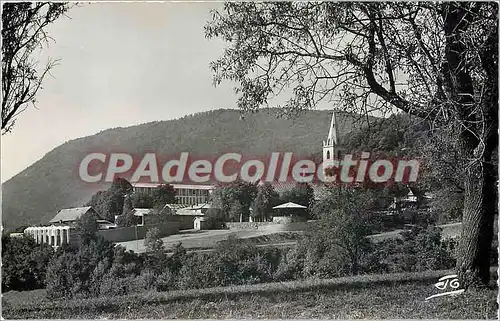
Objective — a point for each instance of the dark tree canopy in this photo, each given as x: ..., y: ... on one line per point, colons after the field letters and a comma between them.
x: 234, y: 199
x: 109, y: 203
x: 266, y: 199
x: 163, y: 194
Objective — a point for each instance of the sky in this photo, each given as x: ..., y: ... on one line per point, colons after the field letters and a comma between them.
x: 122, y: 64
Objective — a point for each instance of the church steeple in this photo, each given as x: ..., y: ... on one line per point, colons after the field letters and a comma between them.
x: 332, y: 134
x: 331, y: 142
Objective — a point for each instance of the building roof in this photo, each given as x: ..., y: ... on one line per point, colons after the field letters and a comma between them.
x: 141, y: 211
x: 289, y: 205
x: 104, y: 222
x: 200, y: 206
x: 70, y: 214
x: 175, y: 206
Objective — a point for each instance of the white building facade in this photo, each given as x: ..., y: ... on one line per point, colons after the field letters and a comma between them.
x: 52, y: 235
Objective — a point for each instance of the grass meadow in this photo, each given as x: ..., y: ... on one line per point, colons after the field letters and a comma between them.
x: 400, y: 295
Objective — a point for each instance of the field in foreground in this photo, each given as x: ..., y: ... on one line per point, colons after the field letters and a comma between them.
x: 372, y: 296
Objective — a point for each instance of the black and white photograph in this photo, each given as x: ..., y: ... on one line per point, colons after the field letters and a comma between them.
x: 249, y: 160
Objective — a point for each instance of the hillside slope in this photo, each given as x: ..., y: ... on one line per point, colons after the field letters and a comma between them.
x: 37, y: 193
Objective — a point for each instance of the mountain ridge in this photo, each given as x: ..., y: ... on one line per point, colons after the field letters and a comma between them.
x: 36, y: 194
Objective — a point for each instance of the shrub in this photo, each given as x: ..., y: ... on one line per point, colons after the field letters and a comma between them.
x: 76, y: 270
x: 232, y: 263
x: 177, y: 260
x: 291, y: 265
x: 24, y: 263
x: 421, y: 249
x: 112, y: 286
x: 201, y: 271
x: 337, y: 244
x: 146, y: 281
x: 166, y: 281
x: 152, y: 241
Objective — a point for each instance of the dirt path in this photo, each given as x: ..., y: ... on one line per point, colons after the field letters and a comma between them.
x: 192, y: 239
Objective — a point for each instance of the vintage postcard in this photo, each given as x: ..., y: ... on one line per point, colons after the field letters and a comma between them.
x: 249, y: 160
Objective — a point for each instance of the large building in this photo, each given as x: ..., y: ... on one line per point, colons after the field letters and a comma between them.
x: 62, y: 226
x: 186, y: 194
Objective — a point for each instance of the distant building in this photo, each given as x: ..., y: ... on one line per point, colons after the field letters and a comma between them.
x: 200, y: 209
x: 173, y: 209
x: 186, y: 194
x: 409, y: 203
x: 62, y: 226
x: 200, y: 223
x: 16, y: 234
x: 142, y: 215
x: 68, y: 216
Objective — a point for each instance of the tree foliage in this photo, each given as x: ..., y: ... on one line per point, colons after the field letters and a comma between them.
x: 24, y: 263
x: 436, y: 61
x: 266, y: 199
x: 337, y: 244
x: 87, y: 227
x: 152, y: 241
x: 109, y: 203
x: 142, y: 200
x: 302, y: 194
x: 234, y: 199
x: 127, y: 218
x: 163, y: 194
x: 76, y: 270
x: 24, y: 30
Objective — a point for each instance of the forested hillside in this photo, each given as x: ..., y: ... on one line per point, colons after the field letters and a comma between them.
x: 37, y: 193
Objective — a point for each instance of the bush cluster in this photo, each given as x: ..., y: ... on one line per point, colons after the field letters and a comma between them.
x: 24, y: 263
x: 98, y: 268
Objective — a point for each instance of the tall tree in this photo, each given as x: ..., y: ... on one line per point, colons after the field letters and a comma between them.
x: 24, y: 263
x: 343, y: 223
x: 109, y: 203
x: 237, y: 195
x: 266, y: 198
x: 437, y: 61
x: 24, y: 27
x: 302, y: 194
x: 127, y: 218
x: 163, y: 194
x: 87, y: 227
x: 142, y: 200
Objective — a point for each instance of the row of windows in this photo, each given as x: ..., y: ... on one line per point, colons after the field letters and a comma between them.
x: 183, y: 195
x: 191, y: 192
x: 191, y: 200
x: 179, y: 191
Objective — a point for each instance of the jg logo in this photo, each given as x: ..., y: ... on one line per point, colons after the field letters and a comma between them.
x: 450, y: 283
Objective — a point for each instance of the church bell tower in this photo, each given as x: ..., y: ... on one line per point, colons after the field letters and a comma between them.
x: 330, y: 145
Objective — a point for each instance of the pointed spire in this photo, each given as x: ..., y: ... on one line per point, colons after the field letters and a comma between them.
x: 333, y: 133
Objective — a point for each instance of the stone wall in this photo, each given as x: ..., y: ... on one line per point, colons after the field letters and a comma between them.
x: 286, y: 227
x: 278, y: 226
x: 282, y: 219
x: 246, y: 225
x: 124, y: 234
x: 186, y: 221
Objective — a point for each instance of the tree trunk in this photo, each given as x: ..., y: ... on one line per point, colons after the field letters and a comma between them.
x: 473, y: 263
x: 477, y: 140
